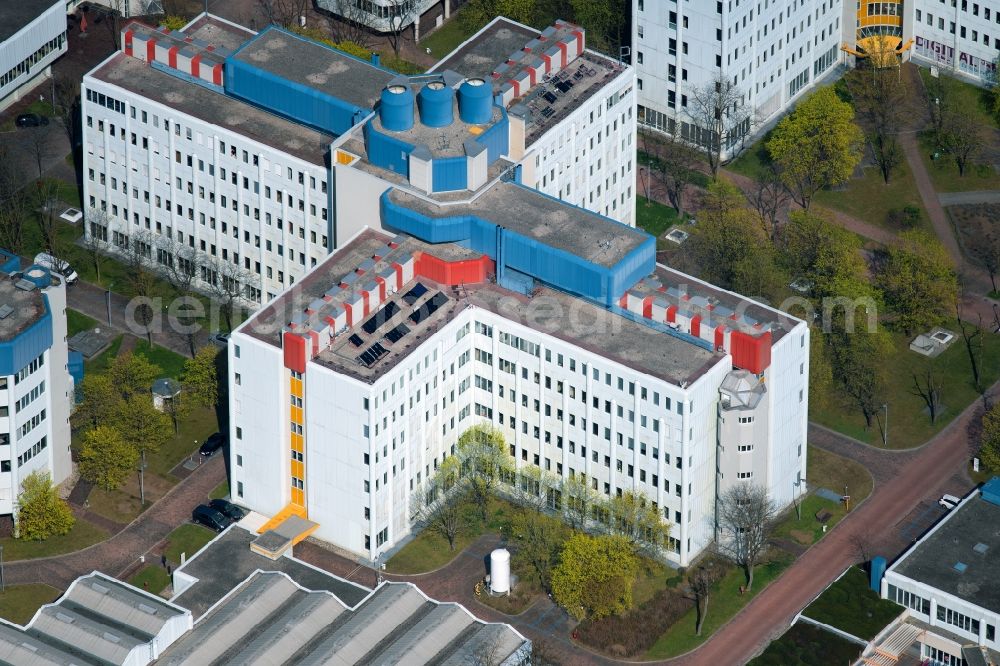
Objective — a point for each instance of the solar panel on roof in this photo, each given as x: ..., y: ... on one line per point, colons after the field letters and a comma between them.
x: 380, y: 317
x: 397, y: 333
x: 414, y: 294
x: 356, y: 340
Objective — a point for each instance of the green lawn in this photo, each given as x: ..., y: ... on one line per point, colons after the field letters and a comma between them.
x: 77, y: 321
x: 82, y: 535
x: 221, y: 491
x: 754, y: 160
x: 965, y: 94
x: 806, y: 644
x: 653, y: 217
x: 723, y: 603
x: 429, y: 551
x: 188, y: 539
x: 851, y: 606
x: 446, y: 39
x: 194, y: 429
x: 171, y: 363
x: 909, y: 425
x: 825, y: 470
x: 871, y: 199
x: 944, y: 172
x: 18, y: 603
x: 152, y: 578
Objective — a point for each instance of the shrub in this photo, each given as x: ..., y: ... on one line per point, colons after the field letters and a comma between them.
x: 907, y: 217
x: 174, y: 22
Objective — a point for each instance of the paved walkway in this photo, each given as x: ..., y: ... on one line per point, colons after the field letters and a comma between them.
x: 121, y: 551
x: 969, y: 198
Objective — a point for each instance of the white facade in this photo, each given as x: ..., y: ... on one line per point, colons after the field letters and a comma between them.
x: 963, y: 37
x: 35, y: 404
x: 186, y: 181
x: 30, y: 52
x: 772, y: 51
x: 588, y: 159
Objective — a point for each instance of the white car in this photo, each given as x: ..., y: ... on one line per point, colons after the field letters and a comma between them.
x: 949, y: 502
x: 57, y: 265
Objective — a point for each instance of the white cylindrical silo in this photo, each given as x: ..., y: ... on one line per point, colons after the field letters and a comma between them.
x: 500, y: 571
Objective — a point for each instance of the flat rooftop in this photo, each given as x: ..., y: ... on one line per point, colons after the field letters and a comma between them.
x: 448, y: 141
x: 489, y: 47
x: 550, y: 311
x: 228, y: 561
x: 968, y: 536
x: 315, y: 66
x: 26, y: 307
x: 530, y: 213
x: 216, y: 31
x: 215, y: 108
x: 17, y: 15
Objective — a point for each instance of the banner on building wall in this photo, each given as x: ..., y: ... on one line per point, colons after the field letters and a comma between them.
x: 945, y: 55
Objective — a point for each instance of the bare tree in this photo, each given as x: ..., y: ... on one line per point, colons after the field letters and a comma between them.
x: 769, y: 198
x: 745, y: 517
x: 972, y: 335
x: 880, y: 103
x: 928, y: 388
x: 986, y: 251
x: 440, y: 507
x: 95, y: 241
x: 962, y: 134
x: 67, y: 105
x: 862, y: 544
x: 181, y: 274
x: 47, y: 191
x: 722, y: 117
x: 349, y: 23
x: 401, y: 13
x: 283, y: 12
x: 228, y: 285
x: 578, y: 501
x: 138, y: 258
x: 699, y: 586
x: 674, y: 162
x: 14, y: 204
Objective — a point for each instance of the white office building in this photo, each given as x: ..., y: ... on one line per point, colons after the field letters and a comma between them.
x: 947, y: 582
x: 36, y: 390
x: 32, y: 36
x: 216, y: 149
x: 963, y: 37
x: 547, y: 321
x: 773, y: 52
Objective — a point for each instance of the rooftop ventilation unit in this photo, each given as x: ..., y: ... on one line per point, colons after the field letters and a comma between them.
x: 6, y: 311
x: 981, y: 548
x: 960, y: 567
x: 24, y: 285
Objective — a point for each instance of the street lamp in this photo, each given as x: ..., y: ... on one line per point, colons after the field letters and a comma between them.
x: 109, y: 302
x: 378, y: 574
x: 798, y: 505
x: 3, y: 585
x: 645, y: 188
x: 885, y: 428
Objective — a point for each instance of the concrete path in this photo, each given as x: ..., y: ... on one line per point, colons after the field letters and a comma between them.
x: 122, y: 550
x: 968, y: 198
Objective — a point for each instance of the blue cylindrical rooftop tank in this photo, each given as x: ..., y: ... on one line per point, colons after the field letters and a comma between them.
x: 475, y: 102
x: 396, y: 108
x: 436, y: 102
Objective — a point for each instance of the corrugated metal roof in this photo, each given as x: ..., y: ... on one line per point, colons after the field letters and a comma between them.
x: 425, y: 639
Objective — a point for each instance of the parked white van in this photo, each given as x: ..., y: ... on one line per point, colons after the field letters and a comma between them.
x: 57, y: 265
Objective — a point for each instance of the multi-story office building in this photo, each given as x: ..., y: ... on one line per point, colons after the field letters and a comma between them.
x: 961, y: 36
x: 389, y: 15
x: 35, y: 385
x: 772, y: 52
x: 947, y: 583
x: 488, y: 301
x: 32, y: 36
x: 233, y: 153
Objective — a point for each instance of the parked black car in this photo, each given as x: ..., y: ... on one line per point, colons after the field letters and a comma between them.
x: 31, y: 120
x: 212, y: 445
x: 210, y: 518
x: 227, y: 509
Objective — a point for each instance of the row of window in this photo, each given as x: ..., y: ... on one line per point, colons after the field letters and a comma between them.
x: 36, y: 448
x: 963, y: 32
x: 35, y: 421
x: 32, y: 367
x: 30, y: 397
x: 25, y: 65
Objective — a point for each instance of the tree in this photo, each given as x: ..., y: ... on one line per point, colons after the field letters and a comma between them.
x: 478, y: 13
x: 440, y: 507
x: 401, y: 14
x: 14, y: 203
x: 820, y: 371
x: 636, y: 518
x: 143, y: 428
x: 729, y: 245
x: 817, y: 146
x: 826, y: 255
x: 928, y: 388
x: 972, y: 336
x: 879, y: 97
x: 105, y: 458
x: 228, y: 285
x: 132, y: 375
x: 604, y: 20
x: 986, y: 251
x: 961, y: 134
x: 483, y: 460
x: 989, y: 446
x: 594, y: 576
x: 579, y: 500
x: 768, y: 197
x: 47, y: 192
x: 350, y: 26
x: 723, y: 119
x: 283, y: 12
x: 137, y: 257
x: 700, y: 586
x: 41, y: 513
x: 96, y: 242
x: 201, y: 378
x: 539, y: 539
x: 673, y: 162
x: 859, y: 360
x: 746, y: 519
x: 99, y: 398
x: 863, y: 546
x: 67, y: 106
x: 918, y: 281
